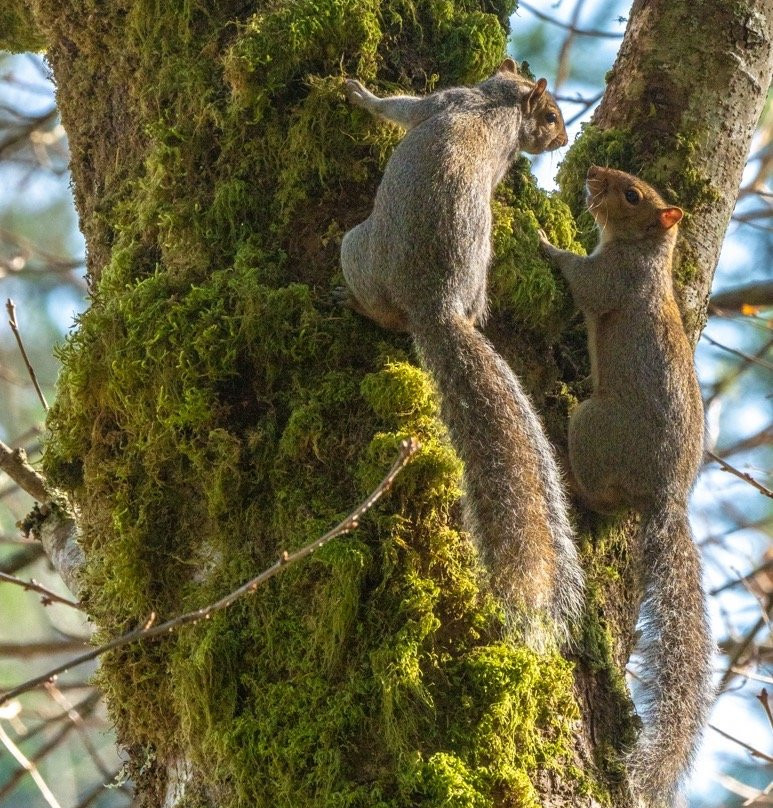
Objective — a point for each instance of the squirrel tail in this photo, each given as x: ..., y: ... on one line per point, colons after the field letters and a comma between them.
x: 676, y: 652
x: 515, y: 507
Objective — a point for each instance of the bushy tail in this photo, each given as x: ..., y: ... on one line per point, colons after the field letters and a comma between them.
x: 676, y: 652
x: 515, y: 506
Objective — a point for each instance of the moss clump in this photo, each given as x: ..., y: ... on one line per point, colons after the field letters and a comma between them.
x: 214, y: 410
x: 18, y: 30
x: 524, y: 285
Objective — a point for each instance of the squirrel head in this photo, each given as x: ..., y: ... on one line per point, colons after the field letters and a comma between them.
x: 627, y: 208
x: 542, y: 125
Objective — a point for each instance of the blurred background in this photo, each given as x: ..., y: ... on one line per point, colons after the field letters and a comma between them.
x: 56, y: 745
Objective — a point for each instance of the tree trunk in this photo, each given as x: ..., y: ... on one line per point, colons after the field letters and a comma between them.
x: 215, y: 408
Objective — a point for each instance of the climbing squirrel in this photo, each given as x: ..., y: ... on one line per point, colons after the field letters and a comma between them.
x: 419, y: 263
x: 637, y: 442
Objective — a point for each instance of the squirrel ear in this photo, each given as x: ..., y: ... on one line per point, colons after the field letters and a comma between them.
x: 508, y: 66
x: 668, y: 217
x: 536, y: 93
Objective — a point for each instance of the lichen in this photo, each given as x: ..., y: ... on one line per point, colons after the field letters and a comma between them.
x: 215, y: 409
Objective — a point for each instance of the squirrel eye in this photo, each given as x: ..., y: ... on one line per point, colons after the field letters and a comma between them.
x: 551, y: 117
x: 632, y: 196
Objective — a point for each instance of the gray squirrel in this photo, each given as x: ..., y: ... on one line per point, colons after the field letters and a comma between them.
x: 637, y: 442
x: 419, y: 263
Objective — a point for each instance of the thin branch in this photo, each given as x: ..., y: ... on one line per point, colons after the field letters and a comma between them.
x: 98, y: 790
x: 755, y: 752
x: 11, y: 308
x: 762, y: 697
x: 407, y: 449
x: 563, y: 55
x: 566, y: 26
x: 741, y: 475
x: 30, y: 767
x: 14, y: 463
x: 752, y: 294
x: 748, y: 357
x: 22, y: 558
x: 80, y: 725
x: 740, y: 650
x: 51, y: 744
x: 745, y: 579
x: 32, y: 585
x: 42, y: 648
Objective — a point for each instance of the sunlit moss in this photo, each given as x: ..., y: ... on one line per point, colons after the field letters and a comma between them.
x: 216, y: 409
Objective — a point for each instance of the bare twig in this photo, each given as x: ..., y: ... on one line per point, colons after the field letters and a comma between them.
x: 407, y: 449
x: 11, y: 308
x: 14, y: 463
x: 52, y: 743
x: 738, y: 653
x: 745, y: 579
x: 32, y: 585
x: 578, y: 31
x: 98, y: 790
x: 752, y: 294
x: 755, y: 752
x: 563, y: 55
x: 748, y: 357
x: 741, y: 475
x: 762, y: 697
x: 587, y: 104
x: 80, y: 725
x: 30, y: 767
x: 41, y: 648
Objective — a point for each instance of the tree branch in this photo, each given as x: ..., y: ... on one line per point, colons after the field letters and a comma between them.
x: 407, y: 449
x: 741, y: 475
x: 15, y: 464
x: 32, y: 585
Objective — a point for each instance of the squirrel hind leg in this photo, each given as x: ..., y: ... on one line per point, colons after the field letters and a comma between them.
x: 597, y: 477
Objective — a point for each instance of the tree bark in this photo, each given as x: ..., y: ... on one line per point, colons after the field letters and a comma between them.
x: 216, y: 409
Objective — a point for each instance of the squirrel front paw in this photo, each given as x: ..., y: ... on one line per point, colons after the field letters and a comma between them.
x: 544, y: 242
x: 546, y: 246
x: 356, y: 93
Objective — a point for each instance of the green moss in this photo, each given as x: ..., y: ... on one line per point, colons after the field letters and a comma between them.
x: 524, y: 285
x: 214, y: 410
x: 18, y: 30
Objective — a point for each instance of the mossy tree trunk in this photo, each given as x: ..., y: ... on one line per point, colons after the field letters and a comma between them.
x: 215, y: 409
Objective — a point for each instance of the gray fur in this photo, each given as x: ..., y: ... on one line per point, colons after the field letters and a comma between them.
x: 419, y: 263
x: 637, y: 442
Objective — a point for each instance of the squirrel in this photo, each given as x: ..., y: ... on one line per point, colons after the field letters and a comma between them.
x: 419, y: 263
x: 637, y: 442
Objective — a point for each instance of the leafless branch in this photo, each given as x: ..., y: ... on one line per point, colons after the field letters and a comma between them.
x: 32, y: 585
x: 762, y: 697
x: 96, y: 791
x: 752, y: 294
x: 566, y: 26
x: 748, y: 357
x: 9, y: 305
x: 76, y: 718
x: 745, y: 579
x: 24, y: 650
x: 739, y: 652
x: 755, y: 752
x: 22, y: 760
x: 741, y: 475
x: 407, y: 449
x: 14, y: 463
